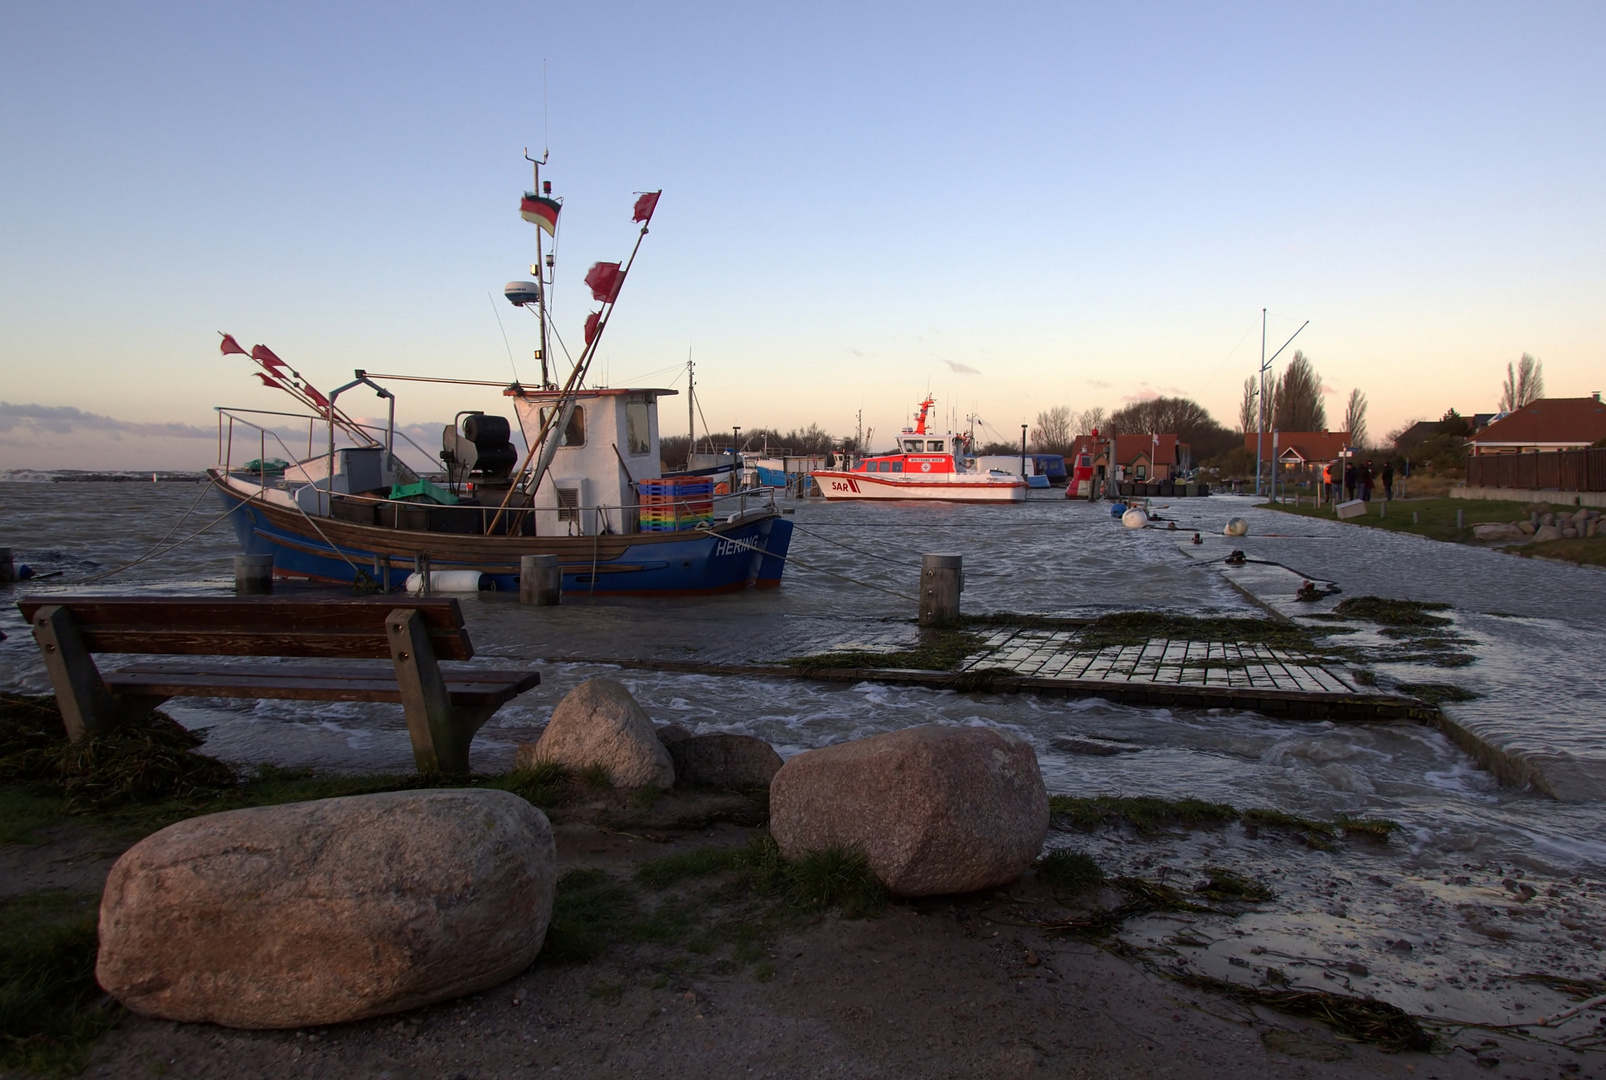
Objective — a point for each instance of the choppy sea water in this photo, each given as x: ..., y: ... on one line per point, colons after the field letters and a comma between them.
x: 1540, y: 630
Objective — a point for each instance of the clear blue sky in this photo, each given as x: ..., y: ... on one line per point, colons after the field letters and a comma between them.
x: 1084, y: 204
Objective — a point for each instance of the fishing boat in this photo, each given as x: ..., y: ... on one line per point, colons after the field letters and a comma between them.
x: 925, y: 466
x: 586, y: 486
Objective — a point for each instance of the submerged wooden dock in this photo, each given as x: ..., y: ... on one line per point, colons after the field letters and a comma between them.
x: 1159, y: 672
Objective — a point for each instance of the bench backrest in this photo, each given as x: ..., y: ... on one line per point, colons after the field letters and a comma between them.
x: 253, y: 626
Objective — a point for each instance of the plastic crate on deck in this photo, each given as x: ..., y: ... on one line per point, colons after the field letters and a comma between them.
x: 673, y: 504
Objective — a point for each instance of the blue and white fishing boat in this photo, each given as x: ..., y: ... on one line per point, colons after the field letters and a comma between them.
x: 586, y: 485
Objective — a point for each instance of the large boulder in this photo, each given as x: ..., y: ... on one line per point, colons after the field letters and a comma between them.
x: 599, y: 723
x: 935, y: 809
x: 320, y: 912
x: 1496, y: 530
x: 722, y: 759
x: 1546, y: 533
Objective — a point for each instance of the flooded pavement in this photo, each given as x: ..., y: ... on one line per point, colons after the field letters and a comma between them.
x: 1485, y: 886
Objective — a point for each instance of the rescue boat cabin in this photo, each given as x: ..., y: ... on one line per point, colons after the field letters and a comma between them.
x: 918, y: 453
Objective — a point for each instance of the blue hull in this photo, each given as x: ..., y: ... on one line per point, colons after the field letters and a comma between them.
x: 731, y: 557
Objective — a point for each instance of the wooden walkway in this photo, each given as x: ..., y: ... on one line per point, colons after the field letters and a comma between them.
x: 1057, y: 654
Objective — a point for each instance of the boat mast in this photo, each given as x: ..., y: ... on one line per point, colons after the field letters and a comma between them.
x: 691, y: 408
x: 542, y: 270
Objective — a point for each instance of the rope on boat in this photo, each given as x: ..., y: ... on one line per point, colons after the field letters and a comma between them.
x: 819, y: 569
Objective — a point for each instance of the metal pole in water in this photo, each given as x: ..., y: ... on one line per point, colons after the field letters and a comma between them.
x: 253, y: 574
x: 942, y: 579
x: 540, y: 580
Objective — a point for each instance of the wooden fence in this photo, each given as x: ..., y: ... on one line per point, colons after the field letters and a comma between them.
x: 1557, y: 470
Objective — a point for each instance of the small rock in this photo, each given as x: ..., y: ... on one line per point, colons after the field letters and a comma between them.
x: 1547, y: 519
x: 1569, y: 533
x: 935, y: 809
x: 1355, y: 967
x: 1546, y: 533
x: 1526, y: 527
x: 724, y: 760
x: 327, y: 911
x: 599, y: 723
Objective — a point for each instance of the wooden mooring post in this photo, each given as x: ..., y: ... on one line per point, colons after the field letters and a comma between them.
x: 253, y: 574
x: 8, y: 568
x: 942, y: 579
x: 540, y: 580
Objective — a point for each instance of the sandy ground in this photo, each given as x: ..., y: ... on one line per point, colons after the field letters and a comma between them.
x: 947, y: 987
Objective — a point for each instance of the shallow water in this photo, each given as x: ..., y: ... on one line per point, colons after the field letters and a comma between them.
x: 1539, y: 632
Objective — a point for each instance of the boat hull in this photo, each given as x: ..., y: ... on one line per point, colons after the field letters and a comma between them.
x: 747, y: 552
x: 907, y: 487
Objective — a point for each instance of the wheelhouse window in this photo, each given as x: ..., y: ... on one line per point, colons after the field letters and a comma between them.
x: 638, y: 432
x: 897, y: 466
x: 886, y: 466
x: 575, y: 433
x: 935, y: 445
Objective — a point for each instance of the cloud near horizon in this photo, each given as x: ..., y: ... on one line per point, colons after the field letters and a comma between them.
x: 64, y: 437
x: 961, y: 369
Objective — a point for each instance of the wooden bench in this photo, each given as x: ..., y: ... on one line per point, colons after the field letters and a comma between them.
x: 444, y: 708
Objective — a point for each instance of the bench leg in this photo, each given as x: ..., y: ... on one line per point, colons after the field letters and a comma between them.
x: 440, y: 732
x: 87, y: 707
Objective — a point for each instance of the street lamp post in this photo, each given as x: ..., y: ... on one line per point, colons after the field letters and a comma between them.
x: 1023, y: 451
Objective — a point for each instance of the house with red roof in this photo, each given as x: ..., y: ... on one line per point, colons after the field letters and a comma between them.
x: 1141, y: 457
x: 1297, y: 448
x: 1546, y: 424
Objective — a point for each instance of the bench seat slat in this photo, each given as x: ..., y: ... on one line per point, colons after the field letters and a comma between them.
x: 255, y: 626
x: 328, y: 686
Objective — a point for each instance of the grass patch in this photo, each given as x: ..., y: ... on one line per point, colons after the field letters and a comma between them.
x: 1437, y: 693
x: 1144, y: 813
x: 835, y: 878
x: 1583, y: 551
x: 51, y: 1009
x: 1223, y: 884
x: 1387, y: 612
x: 940, y: 649
x: 596, y: 775
x: 1436, y: 517
x: 588, y: 912
x: 1137, y: 627
x: 698, y: 862
x: 544, y: 784
x: 1069, y: 872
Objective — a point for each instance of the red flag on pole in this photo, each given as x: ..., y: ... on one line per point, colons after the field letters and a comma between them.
x: 267, y: 381
x: 264, y: 355
x: 645, y: 205
x: 317, y: 398
x: 230, y: 346
x: 591, y: 326
x: 604, y: 280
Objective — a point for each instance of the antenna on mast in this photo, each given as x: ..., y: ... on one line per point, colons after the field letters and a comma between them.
x: 546, y: 133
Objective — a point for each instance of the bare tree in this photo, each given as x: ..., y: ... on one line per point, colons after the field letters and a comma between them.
x: 1525, y: 383
x: 1088, y: 419
x: 1296, y: 401
x: 1355, y: 418
x: 1052, y: 435
x: 1249, y: 407
x: 1179, y: 416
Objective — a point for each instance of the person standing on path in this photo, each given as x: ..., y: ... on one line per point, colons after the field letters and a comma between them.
x: 1349, y: 481
x: 1388, y: 481
x: 1364, y: 477
x: 1327, y: 481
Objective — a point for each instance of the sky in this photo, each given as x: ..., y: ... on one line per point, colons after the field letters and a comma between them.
x: 1012, y: 206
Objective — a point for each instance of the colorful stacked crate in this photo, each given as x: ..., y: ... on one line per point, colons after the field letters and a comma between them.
x: 675, y: 504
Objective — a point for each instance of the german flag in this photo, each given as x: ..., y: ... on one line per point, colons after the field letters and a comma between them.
x: 540, y: 212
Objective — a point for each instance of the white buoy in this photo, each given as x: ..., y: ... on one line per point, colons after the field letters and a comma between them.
x: 1135, y: 519
x: 446, y: 581
x: 1236, y: 527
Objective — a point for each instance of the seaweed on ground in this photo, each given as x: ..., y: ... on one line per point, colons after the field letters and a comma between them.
x: 148, y: 759
x: 1437, y: 693
x: 1392, y: 612
x: 1146, y: 814
x: 1137, y: 627
x: 1385, y: 1026
x: 1221, y: 883
x: 1069, y: 872
x: 1373, y: 828
x: 833, y: 878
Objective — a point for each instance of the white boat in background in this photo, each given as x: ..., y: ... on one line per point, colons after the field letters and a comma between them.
x: 925, y: 467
